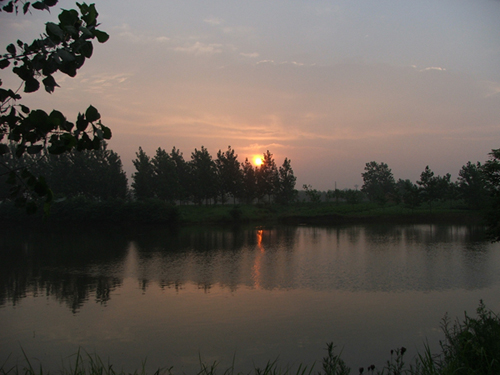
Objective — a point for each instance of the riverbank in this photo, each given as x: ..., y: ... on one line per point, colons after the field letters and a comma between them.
x: 81, y: 210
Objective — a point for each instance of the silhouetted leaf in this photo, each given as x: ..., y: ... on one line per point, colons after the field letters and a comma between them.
x: 106, y: 132
x: 100, y: 35
x: 86, y: 49
x: 57, y: 119
x: 50, y: 3
x: 86, y: 33
x: 91, y: 114
x: 54, y: 30
x: 4, y: 94
x: 68, y: 17
x: 81, y: 123
x: 31, y: 85
x: 26, y: 7
x: 50, y: 83
x: 11, y: 48
x: 24, y: 109
x: 65, y: 55
x: 4, y: 63
x: 9, y: 8
x: 39, y: 5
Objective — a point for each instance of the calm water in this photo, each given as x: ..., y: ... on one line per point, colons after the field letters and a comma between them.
x: 252, y: 294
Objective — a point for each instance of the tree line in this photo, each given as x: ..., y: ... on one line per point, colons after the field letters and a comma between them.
x: 203, y: 179
x: 98, y: 174
x: 477, y: 186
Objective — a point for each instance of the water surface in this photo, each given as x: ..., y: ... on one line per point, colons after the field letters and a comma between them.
x: 248, y: 294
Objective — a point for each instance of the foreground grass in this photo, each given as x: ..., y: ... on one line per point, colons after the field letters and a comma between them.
x: 470, y: 347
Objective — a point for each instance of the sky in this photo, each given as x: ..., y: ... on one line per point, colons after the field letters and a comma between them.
x: 331, y: 85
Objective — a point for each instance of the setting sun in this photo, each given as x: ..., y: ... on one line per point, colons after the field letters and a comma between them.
x: 257, y: 160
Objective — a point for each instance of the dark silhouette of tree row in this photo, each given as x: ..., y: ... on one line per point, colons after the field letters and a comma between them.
x: 475, y: 186
x: 94, y: 174
x: 202, y: 179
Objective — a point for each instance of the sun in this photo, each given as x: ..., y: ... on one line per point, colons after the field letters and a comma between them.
x: 257, y: 160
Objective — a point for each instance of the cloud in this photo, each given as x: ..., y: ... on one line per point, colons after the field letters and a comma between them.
x: 162, y: 39
x: 214, y: 21
x: 433, y: 68
x: 199, y: 48
x: 251, y: 55
x: 134, y: 36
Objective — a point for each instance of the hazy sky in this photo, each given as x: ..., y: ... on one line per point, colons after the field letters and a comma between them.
x: 331, y: 85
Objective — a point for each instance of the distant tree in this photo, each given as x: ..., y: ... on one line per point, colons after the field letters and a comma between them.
x: 378, y: 182
x: 313, y: 194
x: 143, y: 182
x: 229, y: 174
x: 204, y: 176
x: 434, y: 188
x: 182, y: 170
x: 266, y: 174
x: 336, y: 194
x: 63, y: 47
x: 249, y: 180
x: 330, y: 194
x: 408, y: 193
x: 285, y: 192
x: 95, y: 174
x: 166, y: 182
x: 352, y: 197
x: 491, y: 170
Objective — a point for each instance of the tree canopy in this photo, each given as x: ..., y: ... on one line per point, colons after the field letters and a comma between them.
x: 63, y: 48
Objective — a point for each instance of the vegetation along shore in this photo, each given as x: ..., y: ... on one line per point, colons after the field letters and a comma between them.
x: 91, y: 186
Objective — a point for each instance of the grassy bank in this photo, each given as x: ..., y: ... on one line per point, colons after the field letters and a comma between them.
x: 470, y: 347
x: 159, y: 212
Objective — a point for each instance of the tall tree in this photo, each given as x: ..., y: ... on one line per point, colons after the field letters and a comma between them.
x: 96, y: 174
x: 166, y: 181
x: 63, y: 47
x: 285, y: 191
x: 472, y: 185
x: 249, y: 187
x: 408, y: 193
x: 378, y: 182
x: 182, y: 170
x: 204, y: 176
x: 491, y: 171
x: 266, y: 174
x: 434, y: 188
x: 143, y: 179
x: 229, y: 174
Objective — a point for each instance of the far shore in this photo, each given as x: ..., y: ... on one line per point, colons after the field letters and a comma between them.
x: 80, y: 210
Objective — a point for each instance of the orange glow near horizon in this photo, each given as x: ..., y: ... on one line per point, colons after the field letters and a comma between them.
x: 257, y: 160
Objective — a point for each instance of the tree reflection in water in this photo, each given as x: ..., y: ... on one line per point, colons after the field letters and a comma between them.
x: 75, y: 266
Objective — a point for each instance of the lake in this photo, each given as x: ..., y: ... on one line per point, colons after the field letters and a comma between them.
x: 244, y: 295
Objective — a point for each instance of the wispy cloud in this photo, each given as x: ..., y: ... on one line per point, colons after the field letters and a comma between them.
x: 124, y: 31
x: 251, y: 55
x: 199, y: 48
x: 214, y: 21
